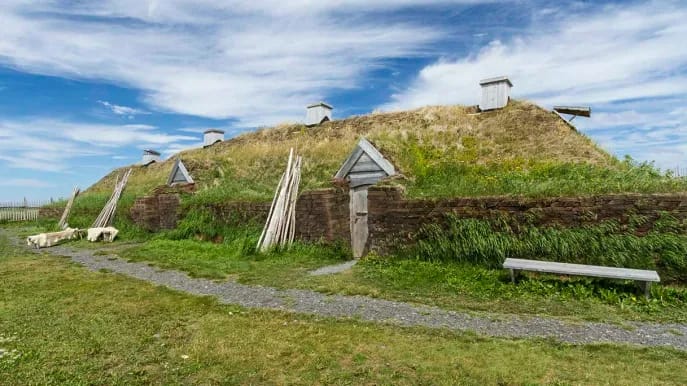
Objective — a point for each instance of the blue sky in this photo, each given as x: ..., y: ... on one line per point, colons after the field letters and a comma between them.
x: 85, y: 86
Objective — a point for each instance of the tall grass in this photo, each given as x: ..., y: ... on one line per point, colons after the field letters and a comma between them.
x: 449, y: 178
x: 489, y: 243
x: 522, y: 177
x: 200, y: 223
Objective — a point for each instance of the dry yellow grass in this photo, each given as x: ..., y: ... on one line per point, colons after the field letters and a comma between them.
x: 420, y: 138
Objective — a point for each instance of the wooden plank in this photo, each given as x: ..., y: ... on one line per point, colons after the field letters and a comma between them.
x: 358, y: 220
x: 354, y: 183
x: 366, y: 166
x: 582, y: 111
x: 273, y: 227
x: 98, y: 220
x: 364, y: 158
x: 375, y: 174
x: 107, y: 214
x: 292, y: 204
x: 281, y: 223
x: 369, y: 178
x: 271, y: 212
x: 62, y: 224
x: 349, y: 163
x: 365, y: 148
x: 581, y: 270
x: 279, y: 233
x: 376, y: 156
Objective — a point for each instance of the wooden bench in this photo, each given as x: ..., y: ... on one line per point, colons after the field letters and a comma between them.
x: 638, y: 275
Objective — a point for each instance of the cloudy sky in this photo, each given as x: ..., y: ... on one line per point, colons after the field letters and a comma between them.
x: 85, y: 85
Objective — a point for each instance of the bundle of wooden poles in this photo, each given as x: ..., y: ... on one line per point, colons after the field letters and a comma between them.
x: 65, y: 215
x: 107, y: 214
x: 280, y: 227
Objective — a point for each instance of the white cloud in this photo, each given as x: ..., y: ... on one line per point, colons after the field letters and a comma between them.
x: 194, y: 130
x: 25, y: 183
x: 178, y: 148
x: 123, y: 110
x: 56, y: 145
x: 207, y: 11
x: 258, y: 62
x: 604, y: 120
x: 657, y: 134
x: 261, y: 62
x: 619, y: 53
x: 116, y: 136
x: 627, y: 65
x: 201, y: 130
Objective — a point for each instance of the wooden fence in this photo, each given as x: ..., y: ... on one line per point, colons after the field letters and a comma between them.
x: 21, y: 211
x: 679, y: 171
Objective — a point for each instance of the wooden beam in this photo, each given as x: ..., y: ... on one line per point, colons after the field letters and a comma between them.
x: 349, y: 163
x: 62, y: 224
x: 581, y: 111
x: 370, y: 156
x: 376, y: 156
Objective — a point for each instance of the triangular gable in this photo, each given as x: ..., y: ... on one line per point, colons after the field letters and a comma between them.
x: 179, y: 174
x: 365, y: 148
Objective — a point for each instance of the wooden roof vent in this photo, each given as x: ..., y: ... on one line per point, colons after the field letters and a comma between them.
x: 495, y: 93
x: 179, y: 174
x: 318, y: 113
x: 150, y: 156
x: 212, y: 136
x: 365, y: 166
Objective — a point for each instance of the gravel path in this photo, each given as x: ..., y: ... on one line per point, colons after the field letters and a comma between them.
x: 377, y: 310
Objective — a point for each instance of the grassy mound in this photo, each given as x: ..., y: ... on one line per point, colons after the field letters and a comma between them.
x: 438, y: 151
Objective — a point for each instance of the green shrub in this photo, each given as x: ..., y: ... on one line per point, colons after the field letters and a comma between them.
x: 201, y: 223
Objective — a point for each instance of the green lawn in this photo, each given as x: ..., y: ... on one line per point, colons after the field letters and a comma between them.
x: 218, y: 261
x: 64, y: 325
x: 459, y: 286
x: 449, y: 284
x: 471, y: 288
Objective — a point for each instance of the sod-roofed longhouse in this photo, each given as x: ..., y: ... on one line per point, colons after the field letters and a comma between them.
x: 435, y: 150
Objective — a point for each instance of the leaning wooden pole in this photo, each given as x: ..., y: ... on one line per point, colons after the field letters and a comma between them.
x: 271, y: 213
x: 107, y: 214
x: 102, y: 212
x: 289, y: 226
x: 65, y: 215
x: 276, y: 218
x: 280, y: 225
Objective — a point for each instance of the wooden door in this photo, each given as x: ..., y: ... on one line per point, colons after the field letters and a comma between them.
x: 358, y: 218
